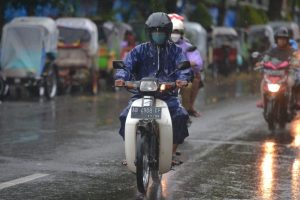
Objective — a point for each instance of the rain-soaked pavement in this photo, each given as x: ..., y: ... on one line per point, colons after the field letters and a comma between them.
x: 69, y: 149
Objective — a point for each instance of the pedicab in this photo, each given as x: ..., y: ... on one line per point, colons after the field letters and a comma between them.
x: 28, y: 49
x: 225, y: 47
x: 77, y: 54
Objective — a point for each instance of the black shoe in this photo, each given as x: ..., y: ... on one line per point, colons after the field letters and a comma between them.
x: 124, y: 162
x: 176, y: 161
x: 189, y: 122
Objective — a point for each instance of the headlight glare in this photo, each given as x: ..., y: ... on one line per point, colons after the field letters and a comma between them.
x: 273, y: 87
x: 148, y: 86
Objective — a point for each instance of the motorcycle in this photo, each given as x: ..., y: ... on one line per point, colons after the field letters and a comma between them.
x: 148, y: 128
x: 278, y: 106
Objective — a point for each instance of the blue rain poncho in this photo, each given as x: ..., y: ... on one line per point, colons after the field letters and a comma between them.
x: 142, y: 61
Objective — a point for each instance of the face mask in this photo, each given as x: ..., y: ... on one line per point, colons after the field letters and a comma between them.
x: 175, y: 37
x: 159, y: 38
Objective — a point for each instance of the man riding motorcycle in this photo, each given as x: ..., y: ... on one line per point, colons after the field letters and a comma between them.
x: 143, y: 61
x: 189, y: 94
x: 283, y: 52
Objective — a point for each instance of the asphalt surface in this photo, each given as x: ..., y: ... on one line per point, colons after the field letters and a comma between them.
x: 70, y: 149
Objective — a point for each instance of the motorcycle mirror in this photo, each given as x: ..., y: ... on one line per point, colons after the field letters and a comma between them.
x: 118, y: 64
x: 183, y: 65
x: 255, y: 54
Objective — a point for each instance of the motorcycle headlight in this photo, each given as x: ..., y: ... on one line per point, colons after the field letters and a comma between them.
x: 273, y: 87
x: 148, y: 86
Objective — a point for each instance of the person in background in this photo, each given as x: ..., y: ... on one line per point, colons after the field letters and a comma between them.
x: 189, y: 94
x: 282, y: 51
x: 128, y: 43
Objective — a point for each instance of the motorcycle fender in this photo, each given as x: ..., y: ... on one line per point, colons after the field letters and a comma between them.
x: 165, y: 137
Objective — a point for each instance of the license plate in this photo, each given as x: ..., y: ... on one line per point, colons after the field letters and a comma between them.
x: 148, y: 112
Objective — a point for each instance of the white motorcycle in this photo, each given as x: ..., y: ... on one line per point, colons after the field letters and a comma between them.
x: 148, y: 129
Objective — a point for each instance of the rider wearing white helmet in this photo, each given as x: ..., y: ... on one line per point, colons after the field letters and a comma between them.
x: 189, y: 94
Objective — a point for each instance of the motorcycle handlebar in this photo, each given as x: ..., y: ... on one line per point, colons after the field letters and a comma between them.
x: 136, y: 84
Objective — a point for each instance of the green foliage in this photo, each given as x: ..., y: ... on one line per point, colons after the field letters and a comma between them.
x: 201, y: 15
x: 157, y: 6
x: 250, y: 16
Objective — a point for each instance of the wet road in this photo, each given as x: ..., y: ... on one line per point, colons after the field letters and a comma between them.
x: 69, y: 149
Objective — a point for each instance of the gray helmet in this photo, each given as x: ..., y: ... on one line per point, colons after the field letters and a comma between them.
x: 159, y: 21
x: 282, y: 32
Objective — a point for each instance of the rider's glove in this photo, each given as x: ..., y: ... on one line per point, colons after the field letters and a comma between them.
x: 181, y: 83
x: 119, y: 82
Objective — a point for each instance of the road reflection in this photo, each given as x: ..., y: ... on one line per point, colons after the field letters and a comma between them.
x: 164, y: 186
x: 269, y: 164
x: 295, y: 131
x: 267, y: 171
x: 159, y: 189
x: 295, y: 179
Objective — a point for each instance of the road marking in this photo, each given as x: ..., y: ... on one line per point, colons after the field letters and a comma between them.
x: 243, y: 116
x: 254, y: 143
x: 21, y: 180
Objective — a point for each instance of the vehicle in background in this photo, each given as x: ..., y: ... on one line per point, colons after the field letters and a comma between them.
x: 28, y: 49
x: 111, y: 48
x: 260, y: 39
x: 198, y: 37
x: 278, y: 100
x: 77, y: 54
x: 138, y: 27
x: 224, y: 49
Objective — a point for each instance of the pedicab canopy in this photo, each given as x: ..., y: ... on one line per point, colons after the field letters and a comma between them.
x: 78, y: 32
x: 221, y: 35
x: 260, y: 38
x: 224, y: 36
x: 25, y: 42
x: 114, y: 33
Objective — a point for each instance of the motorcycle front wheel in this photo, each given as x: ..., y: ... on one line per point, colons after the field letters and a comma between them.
x: 142, y: 162
x: 270, y: 116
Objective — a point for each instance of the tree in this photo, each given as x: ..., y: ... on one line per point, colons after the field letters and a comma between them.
x: 250, y: 16
x: 222, y: 11
x: 274, y: 10
x: 201, y: 15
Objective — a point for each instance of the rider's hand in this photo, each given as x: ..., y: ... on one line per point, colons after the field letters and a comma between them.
x: 119, y: 82
x: 181, y: 83
x: 258, y: 64
x: 193, y: 64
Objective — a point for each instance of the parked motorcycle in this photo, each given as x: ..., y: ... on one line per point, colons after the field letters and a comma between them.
x: 278, y: 107
x: 148, y: 128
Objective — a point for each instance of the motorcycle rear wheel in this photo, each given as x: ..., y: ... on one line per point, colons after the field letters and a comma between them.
x: 142, y: 162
